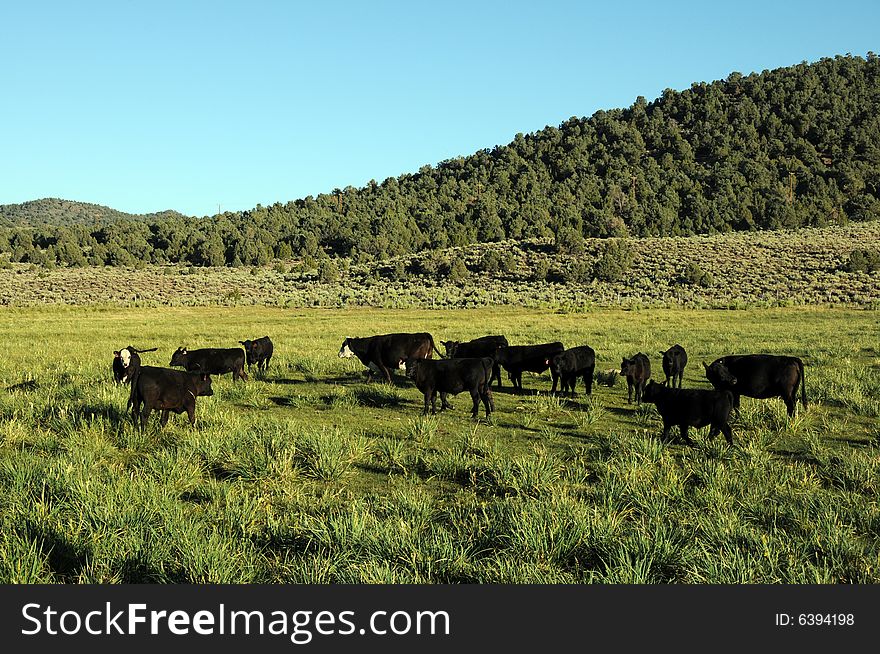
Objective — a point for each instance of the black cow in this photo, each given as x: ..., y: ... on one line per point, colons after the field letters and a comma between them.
x: 451, y: 377
x: 212, y: 361
x: 674, y: 361
x: 691, y: 407
x: 760, y: 376
x: 126, y: 362
x: 516, y: 359
x: 637, y: 372
x: 575, y: 362
x: 166, y: 390
x: 478, y: 348
x: 383, y: 352
x: 259, y: 352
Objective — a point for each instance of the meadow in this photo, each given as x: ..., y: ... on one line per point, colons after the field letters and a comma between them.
x: 310, y: 474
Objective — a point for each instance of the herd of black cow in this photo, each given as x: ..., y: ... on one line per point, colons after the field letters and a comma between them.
x: 472, y: 366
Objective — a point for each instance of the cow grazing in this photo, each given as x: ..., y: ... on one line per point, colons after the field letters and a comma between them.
x: 575, y: 362
x: 212, y: 361
x: 478, y: 348
x: 451, y: 377
x: 126, y: 362
x: 691, y: 407
x: 384, y: 352
x: 166, y: 390
x: 760, y: 376
x: 637, y: 372
x: 516, y: 359
x: 674, y: 361
x: 258, y: 352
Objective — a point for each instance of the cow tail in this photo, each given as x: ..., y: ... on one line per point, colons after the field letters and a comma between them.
x: 803, y: 383
x: 435, y: 347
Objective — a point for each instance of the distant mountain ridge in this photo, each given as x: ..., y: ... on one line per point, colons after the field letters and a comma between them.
x: 58, y: 212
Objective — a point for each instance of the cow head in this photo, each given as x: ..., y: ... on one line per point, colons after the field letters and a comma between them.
x: 624, y: 367
x: 203, y: 385
x: 652, y: 391
x: 410, y: 366
x: 718, y: 375
x: 345, y: 351
x: 451, y: 347
x: 179, y: 357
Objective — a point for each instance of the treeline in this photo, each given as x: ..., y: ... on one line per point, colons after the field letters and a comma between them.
x: 796, y: 146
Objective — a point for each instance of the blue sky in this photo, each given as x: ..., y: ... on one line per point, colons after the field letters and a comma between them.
x: 190, y: 105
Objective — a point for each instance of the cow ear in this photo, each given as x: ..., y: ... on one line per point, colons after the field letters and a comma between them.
x: 705, y: 366
x: 242, y: 342
x: 663, y: 354
x: 116, y: 353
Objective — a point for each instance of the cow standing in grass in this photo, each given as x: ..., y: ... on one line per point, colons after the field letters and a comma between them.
x: 258, y: 352
x: 691, y: 407
x: 478, y: 348
x: 637, y: 371
x: 126, y: 363
x: 384, y: 352
x: 212, y: 361
x: 516, y: 359
x: 166, y: 390
x: 760, y: 376
x: 674, y: 361
x: 451, y: 377
x: 575, y: 362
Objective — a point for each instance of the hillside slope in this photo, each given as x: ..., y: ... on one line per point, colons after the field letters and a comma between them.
x: 779, y: 268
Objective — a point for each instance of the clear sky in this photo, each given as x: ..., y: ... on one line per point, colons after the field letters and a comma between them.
x: 145, y: 106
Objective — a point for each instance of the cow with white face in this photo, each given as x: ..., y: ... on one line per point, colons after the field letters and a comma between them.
x: 126, y: 363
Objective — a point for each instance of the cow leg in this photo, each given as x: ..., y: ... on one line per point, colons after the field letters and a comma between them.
x: 385, y: 372
x: 496, y: 374
x: 680, y: 378
x: 629, y: 392
x: 684, y: 435
x: 475, y: 396
x: 555, y: 378
x: 434, y: 403
x: 736, y: 403
x: 488, y: 402
x: 145, y: 415
x: 163, y: 419
x: 728, y: 433
x: 427, y: 398
x: 666, y: 427
x: 790, y: 405
x: 243, y: 375
x: 444, y: 403
x: 588, y: 381
x: 191, y: 412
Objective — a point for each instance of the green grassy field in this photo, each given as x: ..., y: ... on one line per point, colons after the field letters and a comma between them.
x: 312, y: 475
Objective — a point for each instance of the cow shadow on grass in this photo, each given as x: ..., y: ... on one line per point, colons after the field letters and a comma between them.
x: 87, y: 412
x: 27, y: 386
x: 64, y: 558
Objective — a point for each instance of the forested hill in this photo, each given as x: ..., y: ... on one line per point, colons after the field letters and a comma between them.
x: 58, y: 212
x: 795, y: 146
